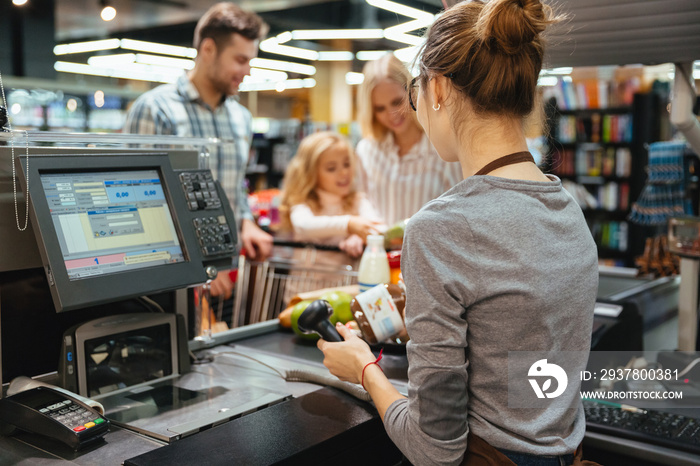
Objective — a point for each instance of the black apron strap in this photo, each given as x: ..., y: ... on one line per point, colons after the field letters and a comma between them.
x: 509, y: 159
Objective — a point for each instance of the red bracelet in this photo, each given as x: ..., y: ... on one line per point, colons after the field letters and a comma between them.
x: 376, y: 361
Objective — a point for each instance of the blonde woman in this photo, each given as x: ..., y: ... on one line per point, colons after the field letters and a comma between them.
x: 319, y: 201
x: 398, y: 167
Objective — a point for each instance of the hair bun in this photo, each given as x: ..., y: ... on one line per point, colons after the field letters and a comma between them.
x: 511, y: 24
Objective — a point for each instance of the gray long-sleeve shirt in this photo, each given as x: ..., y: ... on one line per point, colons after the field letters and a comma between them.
x: 491, y: 266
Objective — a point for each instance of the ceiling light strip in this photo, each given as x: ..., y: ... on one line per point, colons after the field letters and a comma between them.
x: 122, y: 72
x: 278, y: 86
x: 272, y: 45
x: 407, y: 54
x: 154, y: 47
x: 90, y: 46
x: 143, y: 58
x: 398, y: 32
x: 171, y: 62
x: 335, y: 56
x: 352, y: 78
x: 321, y: 34
x: 401, y: 9
x: 282, y: 65
x: 111, y: 60
x: 547, y: 81
x: 266, y: 75
x: 366, y: 55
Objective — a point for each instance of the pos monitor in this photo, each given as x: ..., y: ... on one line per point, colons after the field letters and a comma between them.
x: 111, y: 227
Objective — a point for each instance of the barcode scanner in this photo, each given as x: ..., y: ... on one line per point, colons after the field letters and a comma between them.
x: 315, y: 318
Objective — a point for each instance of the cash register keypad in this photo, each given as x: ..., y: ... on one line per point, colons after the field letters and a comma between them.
x: 214, y: 235
x: 200, y: 190
x: 212, y: 229
x: 72, y: 415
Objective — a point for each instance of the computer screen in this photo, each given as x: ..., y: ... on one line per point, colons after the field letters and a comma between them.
x: 111, y: 222
x: 111, y: 227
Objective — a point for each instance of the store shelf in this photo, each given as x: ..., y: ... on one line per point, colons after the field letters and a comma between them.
x: 588, y: 111
x: 611, y: 169
x: 618, y: 214
x: 578, y: 143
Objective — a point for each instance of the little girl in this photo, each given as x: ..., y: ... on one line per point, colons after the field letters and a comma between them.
x: 319, y: 201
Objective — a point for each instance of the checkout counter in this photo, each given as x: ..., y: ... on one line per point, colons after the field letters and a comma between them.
x: 229, y: 409
x: 253, y: 415
x: 316, y: 425
x: 307, y: 422
x: 629, y: 307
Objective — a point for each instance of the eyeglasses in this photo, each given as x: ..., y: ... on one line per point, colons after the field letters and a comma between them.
x: 412, y: 90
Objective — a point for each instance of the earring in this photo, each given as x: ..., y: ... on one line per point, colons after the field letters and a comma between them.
x: 436, y: 109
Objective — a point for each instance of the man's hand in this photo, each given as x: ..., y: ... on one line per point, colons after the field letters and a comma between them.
x: 257, y: 243
x: 222, y: 285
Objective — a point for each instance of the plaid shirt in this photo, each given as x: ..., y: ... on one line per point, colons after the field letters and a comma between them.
x: 177, y: 109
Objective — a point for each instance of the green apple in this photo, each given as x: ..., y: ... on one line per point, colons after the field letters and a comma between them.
x: 296, y: 312
x: 340, y: 302
x: 393, y: 237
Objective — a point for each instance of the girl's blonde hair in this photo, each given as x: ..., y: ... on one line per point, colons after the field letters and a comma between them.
x: 385, y: 68
x: 301, y: 177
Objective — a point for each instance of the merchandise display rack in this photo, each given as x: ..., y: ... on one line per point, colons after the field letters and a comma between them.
x: 605, y: 150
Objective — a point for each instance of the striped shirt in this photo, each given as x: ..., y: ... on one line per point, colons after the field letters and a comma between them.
x: 399, y: 186
x: 177, y: 109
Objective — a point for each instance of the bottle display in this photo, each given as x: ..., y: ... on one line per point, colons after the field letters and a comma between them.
x: 374, y: 265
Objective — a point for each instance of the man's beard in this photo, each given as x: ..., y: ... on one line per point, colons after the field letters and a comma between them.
x: 224, y: 86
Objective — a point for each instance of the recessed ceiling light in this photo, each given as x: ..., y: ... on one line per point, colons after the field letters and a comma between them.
x: 108, y: 13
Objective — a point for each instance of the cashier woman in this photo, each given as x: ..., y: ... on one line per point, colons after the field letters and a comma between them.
x: 503, y: 261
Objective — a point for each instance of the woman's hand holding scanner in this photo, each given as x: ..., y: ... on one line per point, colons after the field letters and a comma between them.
x: 362, y: 227
x: 346, y: 359
x: 315, y: 318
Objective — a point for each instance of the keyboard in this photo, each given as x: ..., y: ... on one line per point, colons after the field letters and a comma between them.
x: 654, y: 427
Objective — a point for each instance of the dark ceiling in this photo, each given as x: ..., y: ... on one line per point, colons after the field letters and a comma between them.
x: 601, y: 32
x: 175, y: 19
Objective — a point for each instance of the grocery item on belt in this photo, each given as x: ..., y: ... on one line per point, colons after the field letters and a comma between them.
x: 393, y: 237
x: 379, y: 313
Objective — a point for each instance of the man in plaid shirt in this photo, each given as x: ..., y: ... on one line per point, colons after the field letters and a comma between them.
x: 204, y: 104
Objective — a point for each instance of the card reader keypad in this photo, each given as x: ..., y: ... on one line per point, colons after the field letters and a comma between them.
x: 72, y: 415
